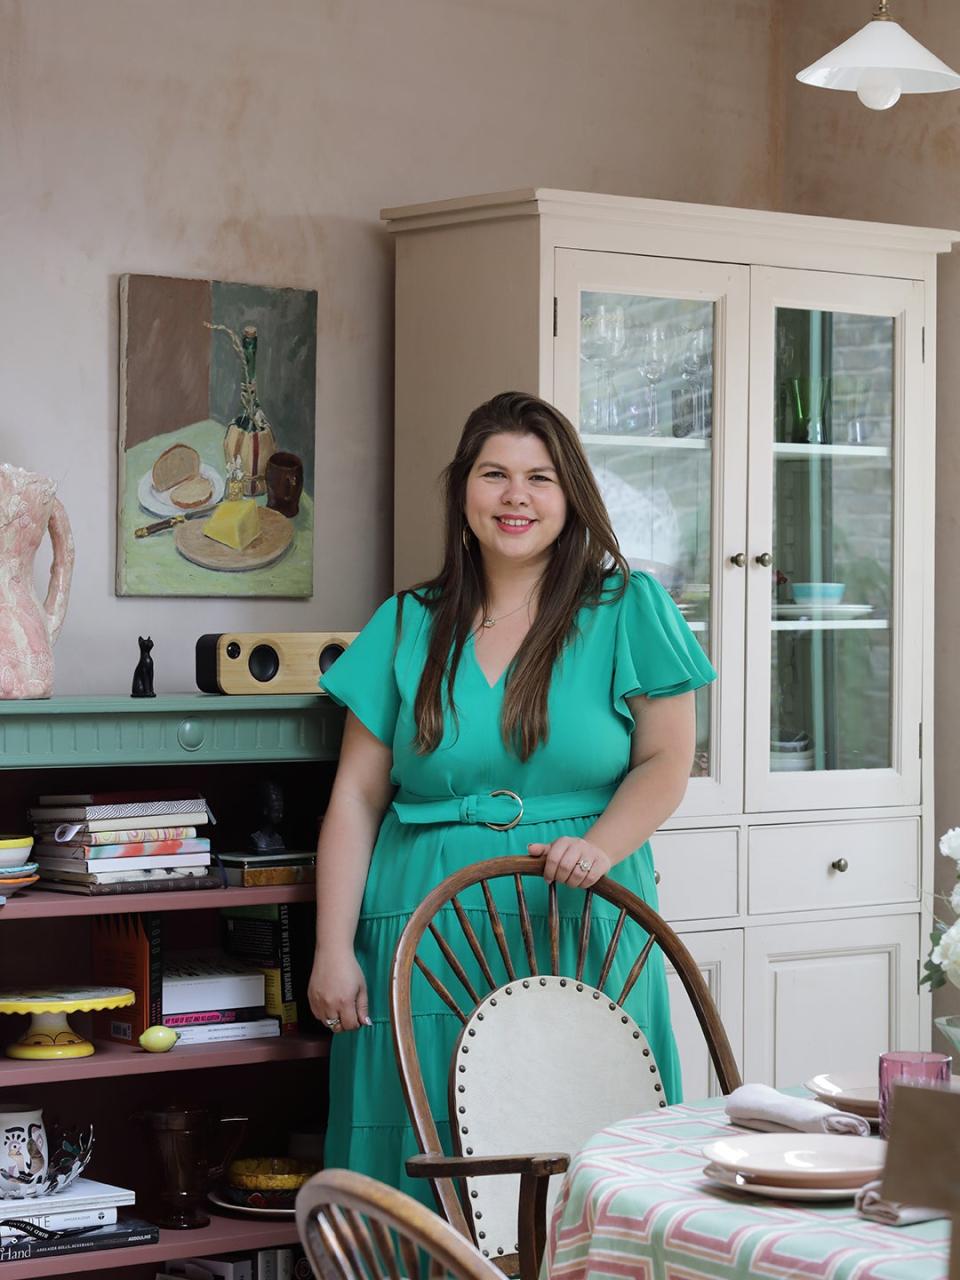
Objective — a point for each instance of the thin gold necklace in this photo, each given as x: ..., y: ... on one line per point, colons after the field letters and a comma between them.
x: 487, y: 621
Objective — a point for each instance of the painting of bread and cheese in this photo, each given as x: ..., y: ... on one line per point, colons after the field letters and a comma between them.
x: 217, y: 439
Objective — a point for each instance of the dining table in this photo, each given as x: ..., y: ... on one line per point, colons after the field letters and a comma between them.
x: 635, y: 1203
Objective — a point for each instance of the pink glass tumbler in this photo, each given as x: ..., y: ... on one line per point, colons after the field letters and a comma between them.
x: 929, y: 1069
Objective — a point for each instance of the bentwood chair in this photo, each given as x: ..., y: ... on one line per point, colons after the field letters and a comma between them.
x: 544, y: 1059
x: 355, y: 1228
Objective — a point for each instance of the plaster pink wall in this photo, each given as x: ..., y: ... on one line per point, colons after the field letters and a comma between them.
x: 257, y: 141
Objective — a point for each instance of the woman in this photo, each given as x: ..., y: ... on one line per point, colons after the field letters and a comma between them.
x: 535, y: 663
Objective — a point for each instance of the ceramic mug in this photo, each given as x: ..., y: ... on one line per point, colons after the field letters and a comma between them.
x: 23, y: 1151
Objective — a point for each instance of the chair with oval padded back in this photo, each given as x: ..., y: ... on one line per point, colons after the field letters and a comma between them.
x: 523, y: 1038
x: 355, y: 1228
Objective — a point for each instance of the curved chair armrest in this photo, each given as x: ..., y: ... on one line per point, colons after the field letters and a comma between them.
x: 535, y: 1173
x: 442, y: 1166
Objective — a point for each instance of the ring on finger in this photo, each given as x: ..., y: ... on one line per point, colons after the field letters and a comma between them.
x: 332, y: 1023
x: 585, y: 866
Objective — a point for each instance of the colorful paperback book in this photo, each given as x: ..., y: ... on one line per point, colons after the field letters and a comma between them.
x: 79, y: 811
x: 66, y: 831
x: 118, y: 1235
x: 261, y: 1029
x: 128, y: 849
x: 206, y: 1017
x: 151, y: 862
x: 136, y: 883
x: 139, y: 835
x: 126, y: 953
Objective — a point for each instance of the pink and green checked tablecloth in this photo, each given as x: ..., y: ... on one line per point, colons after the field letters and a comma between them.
x: 635, y: 1204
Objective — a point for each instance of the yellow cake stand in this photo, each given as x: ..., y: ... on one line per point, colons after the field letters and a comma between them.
x: 49, y: 1035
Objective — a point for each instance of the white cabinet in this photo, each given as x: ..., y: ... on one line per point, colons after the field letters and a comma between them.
x: 840, y: 992
x: 755, y: 394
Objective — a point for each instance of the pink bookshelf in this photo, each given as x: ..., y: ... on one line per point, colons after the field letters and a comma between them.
x: 223, y: 1235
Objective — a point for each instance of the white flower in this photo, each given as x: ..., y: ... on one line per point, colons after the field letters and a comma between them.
x: 955, y: 898
x: 950, y: 844
x: 947, y: 954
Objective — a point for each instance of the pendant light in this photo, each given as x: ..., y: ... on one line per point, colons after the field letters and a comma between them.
x: 880, y: 62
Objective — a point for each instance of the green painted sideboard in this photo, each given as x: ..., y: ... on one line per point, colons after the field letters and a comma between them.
x: 71, y: 732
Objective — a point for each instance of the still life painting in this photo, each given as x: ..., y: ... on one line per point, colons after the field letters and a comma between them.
x: 217, y: 439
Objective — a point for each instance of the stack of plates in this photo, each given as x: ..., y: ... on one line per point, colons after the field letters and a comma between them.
x: 14, y: 878
x: 854, y: 1093
x: 795, y: 1166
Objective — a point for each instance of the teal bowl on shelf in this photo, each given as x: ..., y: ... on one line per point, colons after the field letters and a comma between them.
x: 950, y: 1028
x: 818, y: 592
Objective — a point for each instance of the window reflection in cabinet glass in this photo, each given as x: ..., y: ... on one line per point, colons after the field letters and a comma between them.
x: 831, y: 689
x: 646, y: 416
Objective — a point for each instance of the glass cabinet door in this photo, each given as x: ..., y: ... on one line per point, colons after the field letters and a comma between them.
x: 833, y: 607
x: 650, y: 365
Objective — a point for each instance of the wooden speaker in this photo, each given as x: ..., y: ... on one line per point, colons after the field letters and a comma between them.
x: 267, y: 661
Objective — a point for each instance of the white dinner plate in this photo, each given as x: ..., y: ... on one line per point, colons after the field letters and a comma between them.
x: 823, y: 611
x: 159, y: 504
x: 852, y: 1092
x: 824, y: 1160
x: 720, y: 1178
x: 249, y: 1208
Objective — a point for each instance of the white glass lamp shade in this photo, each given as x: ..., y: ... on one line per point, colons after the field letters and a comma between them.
x: 879, y: 63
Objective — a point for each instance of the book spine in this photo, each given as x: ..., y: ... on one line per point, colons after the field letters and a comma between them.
x: 94, y: 853
x: 11, y: 1230
x: 266, y: 1264
x: 115, y: 1237
x: 145, y: 835
x: 98, y: 866
x: 209, y: 1017
x: 263, y: 1029
x: 226, y: 991
x: 176, y: 883
x: 97, y: 812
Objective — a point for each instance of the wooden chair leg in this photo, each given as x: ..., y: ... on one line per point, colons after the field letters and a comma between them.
x: 532, y: 1223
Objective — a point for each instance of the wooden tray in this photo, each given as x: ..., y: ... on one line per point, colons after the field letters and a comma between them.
x: 276, y: 534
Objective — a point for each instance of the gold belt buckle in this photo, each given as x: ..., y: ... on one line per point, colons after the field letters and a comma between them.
x: 505, y: 826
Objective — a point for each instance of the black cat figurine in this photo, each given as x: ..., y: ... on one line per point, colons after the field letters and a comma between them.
x: 143, y: 673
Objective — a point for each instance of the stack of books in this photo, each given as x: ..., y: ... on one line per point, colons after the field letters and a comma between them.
x: 122, y: 842
x: 81, y: 1217
x: 209, y: 997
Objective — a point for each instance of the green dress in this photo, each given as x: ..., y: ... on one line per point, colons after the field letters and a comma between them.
x: 638, y: 644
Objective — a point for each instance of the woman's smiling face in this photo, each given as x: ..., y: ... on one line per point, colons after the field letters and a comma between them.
x: 514, y: 503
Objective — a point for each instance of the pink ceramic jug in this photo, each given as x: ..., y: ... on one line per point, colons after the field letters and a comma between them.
x: 29, y: 508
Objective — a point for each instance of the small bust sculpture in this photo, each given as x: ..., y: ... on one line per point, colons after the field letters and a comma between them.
x: 267, y: 839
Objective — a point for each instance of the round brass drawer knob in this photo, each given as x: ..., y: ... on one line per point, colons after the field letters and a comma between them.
x: 190, y: 735
x: 840, y: 864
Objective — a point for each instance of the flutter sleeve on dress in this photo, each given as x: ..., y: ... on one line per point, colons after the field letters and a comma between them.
x: 656, y: 653
x: 363, y: 679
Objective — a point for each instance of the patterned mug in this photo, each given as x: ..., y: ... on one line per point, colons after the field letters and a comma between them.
x: 23, y: 1151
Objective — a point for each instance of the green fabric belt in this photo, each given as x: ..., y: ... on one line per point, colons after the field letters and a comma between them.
x: 504, y: 809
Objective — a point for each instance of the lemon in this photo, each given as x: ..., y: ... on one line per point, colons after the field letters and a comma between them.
x: 159, y: 1039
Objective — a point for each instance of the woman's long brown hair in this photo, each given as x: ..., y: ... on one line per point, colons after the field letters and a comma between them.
x: 584, y: 554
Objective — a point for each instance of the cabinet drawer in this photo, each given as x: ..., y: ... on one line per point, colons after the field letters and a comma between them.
x: 791, y: 868
x: 698, y: 873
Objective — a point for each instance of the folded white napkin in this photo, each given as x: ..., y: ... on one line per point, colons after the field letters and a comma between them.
x: 871, y: 1204
x: 757, y: 1106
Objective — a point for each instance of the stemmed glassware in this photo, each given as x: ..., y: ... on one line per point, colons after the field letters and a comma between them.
x: 694, y: 358
x: 602, y: 339
x: 654, y: 358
